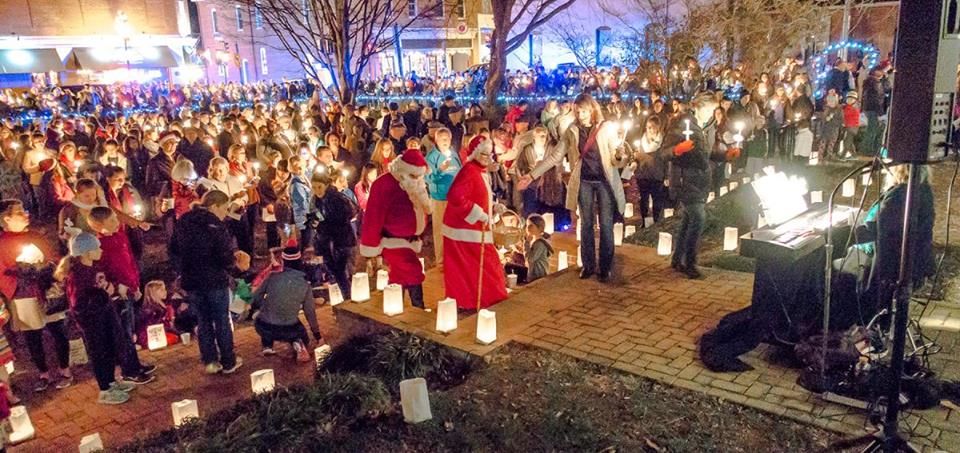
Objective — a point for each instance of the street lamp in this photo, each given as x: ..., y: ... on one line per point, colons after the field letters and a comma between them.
x: 124, y: 30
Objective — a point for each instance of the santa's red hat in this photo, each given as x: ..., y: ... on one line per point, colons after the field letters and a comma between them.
x: 410, y: 162
x: 477, y: 145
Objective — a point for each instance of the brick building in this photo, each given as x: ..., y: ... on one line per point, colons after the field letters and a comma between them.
x: 234, y: 44
x: 76, y: 41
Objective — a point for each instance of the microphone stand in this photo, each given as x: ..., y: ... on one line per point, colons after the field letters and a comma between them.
x: 828, y: 273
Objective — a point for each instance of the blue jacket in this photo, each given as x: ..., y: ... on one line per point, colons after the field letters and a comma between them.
x: 300, y: 200
x: 438, y: 181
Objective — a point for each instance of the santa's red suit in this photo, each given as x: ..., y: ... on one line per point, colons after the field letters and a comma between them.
x: 465, y: 230
x: 392, y: 223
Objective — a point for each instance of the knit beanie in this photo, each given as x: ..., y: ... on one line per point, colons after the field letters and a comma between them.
x: 83, y: 243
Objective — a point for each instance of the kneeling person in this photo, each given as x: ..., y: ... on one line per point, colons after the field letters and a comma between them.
x: 279, y: 300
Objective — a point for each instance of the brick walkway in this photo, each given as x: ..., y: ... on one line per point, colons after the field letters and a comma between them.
x: 62, y: 417
x: 648, y: 323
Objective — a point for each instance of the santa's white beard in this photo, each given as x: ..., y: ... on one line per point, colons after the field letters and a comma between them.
x: 416, y: 190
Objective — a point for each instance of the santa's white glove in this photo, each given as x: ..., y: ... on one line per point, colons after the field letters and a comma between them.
x: 483, y: 219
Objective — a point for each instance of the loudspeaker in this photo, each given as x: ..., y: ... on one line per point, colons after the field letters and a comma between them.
x: 927, y: 56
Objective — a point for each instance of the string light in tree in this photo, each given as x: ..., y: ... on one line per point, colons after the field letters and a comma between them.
x: 821, y: 67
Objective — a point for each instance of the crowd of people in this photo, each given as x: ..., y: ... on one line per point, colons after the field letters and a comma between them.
x: 208, y: 168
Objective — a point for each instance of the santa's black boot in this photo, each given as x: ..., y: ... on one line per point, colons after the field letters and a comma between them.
x: 416, y: 296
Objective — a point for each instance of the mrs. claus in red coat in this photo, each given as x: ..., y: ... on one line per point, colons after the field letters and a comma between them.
x: 466, y: 229
x: 397, y: 208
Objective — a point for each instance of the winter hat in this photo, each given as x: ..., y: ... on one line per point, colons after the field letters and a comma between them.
x: 291, y: 252
x: 83, y: 243
x: 168, y: 136
x: 853, y: 96
x: 477, y: 145
x: 410, y: 162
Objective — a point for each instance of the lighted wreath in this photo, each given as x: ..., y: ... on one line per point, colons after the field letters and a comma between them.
x: 822, y: 68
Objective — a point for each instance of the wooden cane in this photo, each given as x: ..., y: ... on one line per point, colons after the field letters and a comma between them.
x: 483, y: 247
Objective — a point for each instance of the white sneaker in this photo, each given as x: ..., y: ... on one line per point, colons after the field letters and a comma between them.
x: 113, y: 397
x: 268, y: 352
x: 122, y: 386
x: 213, y: 368
x: 234, y: 368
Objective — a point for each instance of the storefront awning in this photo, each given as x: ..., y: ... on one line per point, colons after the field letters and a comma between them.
x: 107, y: 58
x: 23, y: 61
x: 436, y: 44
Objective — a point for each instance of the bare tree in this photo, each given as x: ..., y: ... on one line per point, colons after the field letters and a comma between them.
x: 508, y: 15
x: 340, y: 36
x: 581, y: 42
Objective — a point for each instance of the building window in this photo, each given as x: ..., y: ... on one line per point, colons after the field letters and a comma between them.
x: 412, y: 8
x: 239, y: 13
x: 263, y: 61
x: 257, y: 17
x: 460, y: 9
x: 213, y: 21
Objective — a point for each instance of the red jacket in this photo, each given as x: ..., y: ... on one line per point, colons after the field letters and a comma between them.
x: 851, y: 116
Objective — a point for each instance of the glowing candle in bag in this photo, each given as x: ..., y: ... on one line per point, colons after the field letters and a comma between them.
x: 629, y: 230
x: 562, y: 260
x: 360, y: 287
x: 20, y: 424
x: 710, y: 197
x: 816, y: 196
x: 723, y: 191
x: 446, y: 315
x: 665, y: 244
x: 617, y: 234
x: 628, y: 210
x: 415, y: 400
x: 647, y: 221
x: 262, y: 381
x: 91, y: 443
x: 486, y: 326
x: 746, y: 180
x: 183, y: 410
x: 548, y: 221
x: 393, y: 300
x: 382, y: 277
x: 733, y: 186
x: 667, y: 213
x: 336, y: 296
x: 865, y: 179
x: 731, y: 238
x: 728, y: 169
x: 849, y: 188
x: 320, y: 353
x: 156, y: 337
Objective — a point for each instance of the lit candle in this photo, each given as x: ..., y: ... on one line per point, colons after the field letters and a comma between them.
x: 244, y: 139
x: 30, y: 254
x: 687, y: 132
x: 256, y: 168
x: 738, y: 137
x: 137, y: 210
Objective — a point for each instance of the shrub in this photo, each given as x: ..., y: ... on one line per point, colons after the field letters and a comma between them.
x: 282, y: 420
x: 395, y: 356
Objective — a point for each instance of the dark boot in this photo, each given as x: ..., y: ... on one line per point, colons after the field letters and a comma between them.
x: 416, y: 296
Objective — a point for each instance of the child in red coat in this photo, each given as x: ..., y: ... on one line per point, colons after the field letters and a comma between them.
x: 851, y: 123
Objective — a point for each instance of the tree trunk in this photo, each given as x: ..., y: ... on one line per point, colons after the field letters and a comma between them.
x: 495, y: 72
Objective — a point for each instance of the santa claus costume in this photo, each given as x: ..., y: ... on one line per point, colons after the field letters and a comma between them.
x: 467, y: 236
x: 396, y: 215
